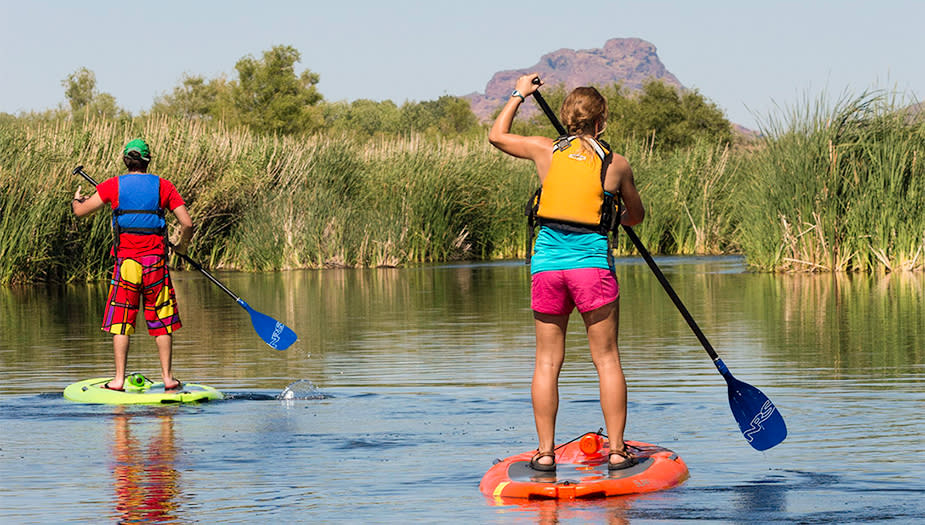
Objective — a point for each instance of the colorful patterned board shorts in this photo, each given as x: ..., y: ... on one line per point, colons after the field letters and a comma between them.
x: 144, y: 278
x: 558, y: 292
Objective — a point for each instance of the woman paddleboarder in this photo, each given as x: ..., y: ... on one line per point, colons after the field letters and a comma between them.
x: 572, y: 266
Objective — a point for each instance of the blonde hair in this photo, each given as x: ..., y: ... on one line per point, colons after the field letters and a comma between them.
x: 584, y: 112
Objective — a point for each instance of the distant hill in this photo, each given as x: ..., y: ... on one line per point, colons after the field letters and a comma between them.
x: 916, y: 111
x: 629, y: 61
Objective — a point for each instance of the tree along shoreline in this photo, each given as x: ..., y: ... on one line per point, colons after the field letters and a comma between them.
x: 827, y: 188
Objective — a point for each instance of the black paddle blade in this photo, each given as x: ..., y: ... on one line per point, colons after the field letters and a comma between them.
x: 758, y: 418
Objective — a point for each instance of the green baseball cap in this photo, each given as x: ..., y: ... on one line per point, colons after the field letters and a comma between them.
x: 140, y: 146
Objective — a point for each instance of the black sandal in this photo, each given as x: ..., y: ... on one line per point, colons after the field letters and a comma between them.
x: 107, y: 387
x: 543, y: 467
x: 628, y: 459
x: 178, y: 386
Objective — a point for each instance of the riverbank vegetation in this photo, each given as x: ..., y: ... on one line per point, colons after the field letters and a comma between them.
x: 292, y: 181
x: 836, y: 187
x: 266, y: 202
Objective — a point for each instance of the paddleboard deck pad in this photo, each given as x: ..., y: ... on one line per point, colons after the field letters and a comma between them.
x: 582, y: 473
x: 139, y: 390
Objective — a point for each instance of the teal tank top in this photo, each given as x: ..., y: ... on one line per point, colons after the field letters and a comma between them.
x: 562, y: 250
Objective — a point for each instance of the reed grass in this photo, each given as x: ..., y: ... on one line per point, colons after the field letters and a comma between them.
x: 686, y: 196
x: 836, y: 187
x: 829, y: 188
x: 383, y: 204
x: 261, y: 202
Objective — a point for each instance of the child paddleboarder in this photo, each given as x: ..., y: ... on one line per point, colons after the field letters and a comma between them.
x: 572, y: 266
x: 140, y: 277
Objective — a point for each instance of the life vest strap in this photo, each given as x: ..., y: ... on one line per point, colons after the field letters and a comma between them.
x: 143, y: 231
x: 562, y: 143
x: 120, y: 211
x: 572, y: 227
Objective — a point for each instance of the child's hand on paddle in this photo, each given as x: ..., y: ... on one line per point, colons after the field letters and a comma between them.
x: 180, y: 247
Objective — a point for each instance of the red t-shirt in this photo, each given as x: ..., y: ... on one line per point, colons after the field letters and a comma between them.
x: 133, y: 244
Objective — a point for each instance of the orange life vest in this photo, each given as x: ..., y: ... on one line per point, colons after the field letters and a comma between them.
x: 573, y: 190
x: 572, y: 196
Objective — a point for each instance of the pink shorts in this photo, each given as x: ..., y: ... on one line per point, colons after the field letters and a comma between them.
x: 557, y: 292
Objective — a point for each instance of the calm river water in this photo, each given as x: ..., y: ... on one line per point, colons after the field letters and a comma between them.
x: 409, y: 382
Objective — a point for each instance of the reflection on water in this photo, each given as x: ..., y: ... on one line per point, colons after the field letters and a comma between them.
x: 867, y: 324
x: 363, y: 326
x: 406, y: 383
x: 145, y: 477
x: 613, y: 511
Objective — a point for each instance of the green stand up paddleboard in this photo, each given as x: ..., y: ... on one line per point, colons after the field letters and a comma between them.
x: 139, y: 390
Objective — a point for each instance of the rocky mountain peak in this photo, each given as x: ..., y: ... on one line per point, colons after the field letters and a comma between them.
x: 628, y: 61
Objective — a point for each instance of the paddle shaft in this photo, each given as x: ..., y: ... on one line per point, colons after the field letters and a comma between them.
x: 674, y: 296
x: 642, y: 250
x: 560, y: 129
x: 202, y: 270
x: 79, y: 170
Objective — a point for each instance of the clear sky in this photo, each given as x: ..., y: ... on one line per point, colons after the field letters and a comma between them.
x: 749, y: 57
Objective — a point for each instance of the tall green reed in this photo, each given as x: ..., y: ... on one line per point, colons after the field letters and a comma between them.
x: 261, y: 202
x: 383, y: 204
x: 686, y: 196
x: 836, y: 188
x: 38, y: 230
x: 828, y: 189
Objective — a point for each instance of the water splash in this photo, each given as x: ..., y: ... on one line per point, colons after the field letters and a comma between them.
x: 301, y: 389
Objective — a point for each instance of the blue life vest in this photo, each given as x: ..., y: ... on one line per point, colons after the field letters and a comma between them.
x: 139, y: 211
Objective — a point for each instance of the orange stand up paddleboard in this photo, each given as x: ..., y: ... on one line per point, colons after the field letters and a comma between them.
x: 582, y: 473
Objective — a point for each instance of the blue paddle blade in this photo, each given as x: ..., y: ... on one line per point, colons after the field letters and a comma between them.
x: 273, y: 332
x: 758, y: 418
